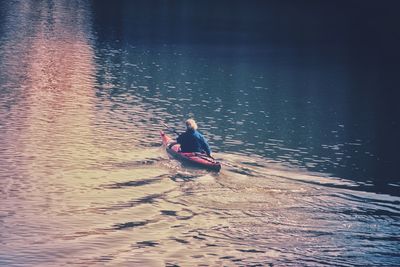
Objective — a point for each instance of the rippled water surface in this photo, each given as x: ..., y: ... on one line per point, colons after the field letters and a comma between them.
x: 85, y: 182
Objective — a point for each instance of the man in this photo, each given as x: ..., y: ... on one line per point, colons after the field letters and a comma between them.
x: 192, y: 140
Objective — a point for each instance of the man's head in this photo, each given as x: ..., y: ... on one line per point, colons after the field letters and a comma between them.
x: 191, y: 124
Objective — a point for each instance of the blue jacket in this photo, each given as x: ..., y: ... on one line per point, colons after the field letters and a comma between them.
x: 193, y: 141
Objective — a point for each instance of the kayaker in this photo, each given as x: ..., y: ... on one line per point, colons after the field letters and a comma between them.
x: 192, y: 140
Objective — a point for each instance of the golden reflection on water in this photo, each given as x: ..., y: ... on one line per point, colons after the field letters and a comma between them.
x: 58, y: 77
x: 50, y: 133
x: 59, y: 89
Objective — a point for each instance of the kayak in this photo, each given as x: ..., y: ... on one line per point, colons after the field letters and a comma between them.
x: 193, y: 158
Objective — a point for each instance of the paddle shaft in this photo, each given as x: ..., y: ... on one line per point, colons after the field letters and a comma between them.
x: 172, y: 129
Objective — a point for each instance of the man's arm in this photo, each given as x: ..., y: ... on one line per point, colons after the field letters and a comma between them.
x: 205, y: 145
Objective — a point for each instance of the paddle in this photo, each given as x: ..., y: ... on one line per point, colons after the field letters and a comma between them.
x: 204, y: 156
x: 170, y: 128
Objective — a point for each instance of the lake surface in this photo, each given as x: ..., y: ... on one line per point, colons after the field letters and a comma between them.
x: 307, y: 136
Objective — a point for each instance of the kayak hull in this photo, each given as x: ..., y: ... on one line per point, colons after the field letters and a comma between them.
x: 192, y: 158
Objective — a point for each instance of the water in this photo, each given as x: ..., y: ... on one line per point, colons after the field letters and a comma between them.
x: 307, y: 142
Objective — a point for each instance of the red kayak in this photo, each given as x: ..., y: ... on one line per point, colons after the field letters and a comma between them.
x: 194, y: 158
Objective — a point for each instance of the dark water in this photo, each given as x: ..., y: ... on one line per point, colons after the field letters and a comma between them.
x: 306, y: 128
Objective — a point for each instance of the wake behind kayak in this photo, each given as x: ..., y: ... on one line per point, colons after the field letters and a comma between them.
x: 192, y: 158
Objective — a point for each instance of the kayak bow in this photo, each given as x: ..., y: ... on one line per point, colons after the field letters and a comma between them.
x: 193, y: 158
